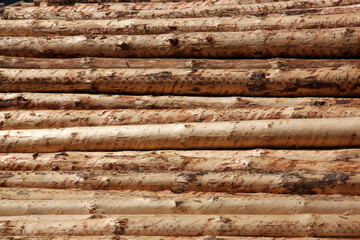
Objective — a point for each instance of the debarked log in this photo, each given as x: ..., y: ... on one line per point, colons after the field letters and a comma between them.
x: 58, y: 101
x: 246, y: 161
x: 119, y: 11
x: 109, y: 63
x: 343, y: 81
x: 39, y: 119
x: 313, y: 43
x: 303, y: 225
x: 160, y: 26
x: 179, y: 182
x: 259, y: 204
x: 289, y: 133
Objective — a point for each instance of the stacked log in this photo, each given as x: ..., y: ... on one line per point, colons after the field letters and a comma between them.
x: 180, y: 119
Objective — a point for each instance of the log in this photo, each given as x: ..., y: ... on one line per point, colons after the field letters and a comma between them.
x: 109, y: 63
x: 57, y: 101
x: 289, y: 133
x: 313, y: 43
x: 261, y: 204
x: 80, y: 194
x: 231, y: 182
x: 342, y: 81
x: 324, y: 11
x: 167, y: 10
x: 303, y: 225
x: 25, y: 194
x: 161, y: 26
x: 261, y: 160
x: 71, y: 2
x: 29, y: 119
x: 112, y: 237
x: 215, y: 161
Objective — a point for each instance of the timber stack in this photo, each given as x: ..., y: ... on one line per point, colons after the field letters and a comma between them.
x: 180, y: 119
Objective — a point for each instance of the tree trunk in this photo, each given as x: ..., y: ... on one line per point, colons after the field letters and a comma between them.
x: 161, y: 26
x: 342, y: 160
x: 22, y: 119
x: 123, y: 237
x: 178, y: 182
x: 264, y: 204
x: 168, y: 10
x: 71, y: 2
x: 249, y: 82
x: 20, y: 193
x: 304, y: 225
x: 299, y: 133
x: 323, y: 81
x: 324, y: 43
x: 173, y: 161
x: 108, y: 63
x: 58, y: 101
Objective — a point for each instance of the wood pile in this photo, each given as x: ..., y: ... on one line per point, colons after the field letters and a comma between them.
x: 169, y: 119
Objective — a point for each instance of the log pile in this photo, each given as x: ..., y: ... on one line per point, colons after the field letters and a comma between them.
x: 180, y: 119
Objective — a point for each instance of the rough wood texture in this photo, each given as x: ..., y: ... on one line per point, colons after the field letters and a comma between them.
x: 258, y: 159
x: 47, y: 101
x: 22, y: 119
x: 324, y: 43
x: 161, y: 26
x: 331, y: 132
x: 123, y: 237
x: 108, y: 63
x: 190, y: 225
x: 81, y: 194
x: 174, y: 161
x: 263, y: 204
x: 118, y: 11
x: 212, y: 2
x: 230, y: 182
x: 342, y: 81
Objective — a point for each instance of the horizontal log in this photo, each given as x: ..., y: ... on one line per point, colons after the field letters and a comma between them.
x: 266, y: 204
x: 216, y: 2
x: 258, y: 159
x: 29, y: 119
x: 190, y: 225
x: 167, y: 10
x: 323, y: 43
x: 290, y: 133
x: 161, y: 26
x: 80, y: 194
x: 322, y: 11
x: 246, y: 161
x: 108, y: 63
x: 46, y: 101
x: 342, y: 81
x: 178, y: 182
x: 20, y: 193
x: 112, y: 237
x: 122, y: 5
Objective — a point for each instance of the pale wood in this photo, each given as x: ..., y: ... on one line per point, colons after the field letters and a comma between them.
x: 46, y: 101
x: 230, y: 182
x: 30, y: 119
x: 259, y: 204
x: 108, y: 63
x: 303, y: 225
x: 330, y: 132
x: 342, y: 81
x: 169, y: 10
x: 247, y: 161
x: 161, y: 26
x: 323, y: 43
